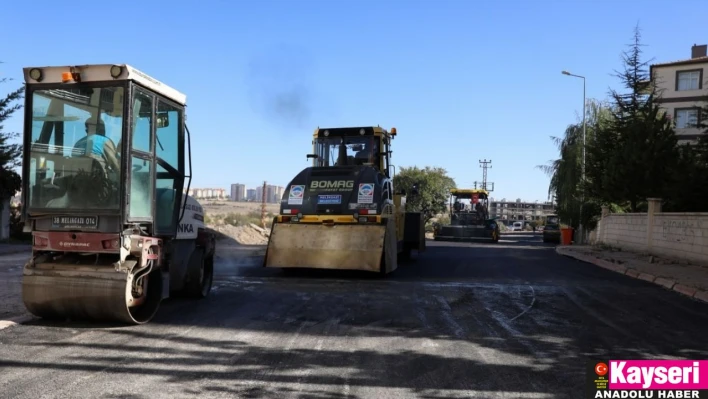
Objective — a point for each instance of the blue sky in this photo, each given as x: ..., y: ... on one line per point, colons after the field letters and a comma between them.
x: 460, y: 80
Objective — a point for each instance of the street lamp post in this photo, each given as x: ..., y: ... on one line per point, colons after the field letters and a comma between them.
x: 582, y: 201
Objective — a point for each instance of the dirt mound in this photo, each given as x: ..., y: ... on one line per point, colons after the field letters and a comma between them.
x: 249, y: 234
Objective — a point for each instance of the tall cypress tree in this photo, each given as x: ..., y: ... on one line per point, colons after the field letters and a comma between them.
x: 635, y: 155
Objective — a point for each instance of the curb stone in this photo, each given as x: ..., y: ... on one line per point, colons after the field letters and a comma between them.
x: 15, y: 320
x: 672, y: 285
x: 665, y: 282
x: 647, y: 277
x: 632, y: 273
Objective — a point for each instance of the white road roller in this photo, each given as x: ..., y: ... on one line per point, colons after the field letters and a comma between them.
x: 114, y: 232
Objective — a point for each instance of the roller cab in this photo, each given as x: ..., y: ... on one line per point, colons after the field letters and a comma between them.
x: 469, y: 218
x: 342, y: 213
x: 103, y: 181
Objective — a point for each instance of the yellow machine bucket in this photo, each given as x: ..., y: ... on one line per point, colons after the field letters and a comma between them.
x: 342, y: 246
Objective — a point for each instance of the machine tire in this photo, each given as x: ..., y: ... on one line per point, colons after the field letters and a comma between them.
x: 382, y: 268
x: 406, y: 253
x: 200, y: 275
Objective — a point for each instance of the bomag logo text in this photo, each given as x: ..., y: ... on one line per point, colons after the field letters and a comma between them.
x: 332, y: 185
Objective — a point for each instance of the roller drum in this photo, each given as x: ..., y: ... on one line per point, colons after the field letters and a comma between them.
x: 344, y: 247
x: 96, y: 294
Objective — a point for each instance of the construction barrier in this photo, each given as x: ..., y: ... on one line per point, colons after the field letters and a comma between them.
x: 566, y: 236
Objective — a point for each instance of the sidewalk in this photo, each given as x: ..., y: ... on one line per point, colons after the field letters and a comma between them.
x: 12, y: 309
x: 684, y: 278
x: 7, y: 249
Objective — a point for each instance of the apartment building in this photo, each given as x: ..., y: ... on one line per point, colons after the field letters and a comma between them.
x: 273, y: 194
x: 238, y: 192
x: 207, y: 193
x: 684, y: 91
x: 504, y: 210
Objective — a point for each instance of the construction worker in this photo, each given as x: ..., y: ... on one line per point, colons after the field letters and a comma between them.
x: 96, y: 145
x: 368, y: 154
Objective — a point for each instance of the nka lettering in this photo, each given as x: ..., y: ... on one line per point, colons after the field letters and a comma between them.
x: 185, y: 228
x: 653, y: 375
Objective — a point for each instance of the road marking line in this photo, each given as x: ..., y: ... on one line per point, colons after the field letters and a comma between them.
x: 533, y: 301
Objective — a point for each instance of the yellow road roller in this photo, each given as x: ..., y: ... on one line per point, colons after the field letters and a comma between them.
x: 114, y: 232
x: 343, y: 212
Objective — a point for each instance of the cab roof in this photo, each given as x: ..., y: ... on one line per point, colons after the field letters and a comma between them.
x: 72, y: 74
x: 353, y: 131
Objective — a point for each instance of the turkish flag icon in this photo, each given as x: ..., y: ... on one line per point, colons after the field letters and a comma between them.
x: 601, y: 369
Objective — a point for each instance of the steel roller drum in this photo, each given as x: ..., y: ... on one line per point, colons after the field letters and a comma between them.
x: 57, y: 291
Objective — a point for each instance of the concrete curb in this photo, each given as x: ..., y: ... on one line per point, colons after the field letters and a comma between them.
x: 669, y: 284
x: 14, y: 321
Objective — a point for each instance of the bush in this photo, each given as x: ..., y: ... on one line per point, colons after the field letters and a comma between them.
x: 236, y: 219
x: 16, y: 225
x: 442, y: 220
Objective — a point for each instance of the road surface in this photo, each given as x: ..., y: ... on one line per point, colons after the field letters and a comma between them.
x: 512, y: 319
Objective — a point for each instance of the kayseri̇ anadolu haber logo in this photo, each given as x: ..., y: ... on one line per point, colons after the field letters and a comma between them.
x: 651, y: 379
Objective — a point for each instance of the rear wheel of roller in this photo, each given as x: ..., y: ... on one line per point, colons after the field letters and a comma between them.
x: 200, y: 275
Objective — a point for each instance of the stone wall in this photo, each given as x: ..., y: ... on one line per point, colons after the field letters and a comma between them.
x: 672, y: 235
x: 681, y: 235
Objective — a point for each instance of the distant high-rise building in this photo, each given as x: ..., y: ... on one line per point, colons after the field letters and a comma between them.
x: 238, y: 192
x: 279, y: 193
x: 270, y: 193
x: 251, y: 194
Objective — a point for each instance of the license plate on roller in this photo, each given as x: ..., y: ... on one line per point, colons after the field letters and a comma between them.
x: 75, y: 222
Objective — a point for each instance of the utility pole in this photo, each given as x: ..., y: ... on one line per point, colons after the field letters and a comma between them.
x: 581, y: 232
x: 485, y: 165
x: 263, y: 205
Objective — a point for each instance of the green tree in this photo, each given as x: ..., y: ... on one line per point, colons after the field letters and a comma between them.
x: 566, y: 171
x: 635, y: 155
x: 10, y: 154
x: 433, y: 185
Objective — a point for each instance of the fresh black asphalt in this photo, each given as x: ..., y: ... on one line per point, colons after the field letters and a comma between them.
x: 461, y: 320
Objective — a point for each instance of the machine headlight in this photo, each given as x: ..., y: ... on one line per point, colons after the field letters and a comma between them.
x: 356, y: 215
x: 116, y: 70
x: 362, y: 131
x: 326, y: 133
x: 36, y: 74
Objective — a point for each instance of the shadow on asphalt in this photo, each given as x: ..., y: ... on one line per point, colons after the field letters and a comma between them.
x: 549, y: 332
x: 517, y: 339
